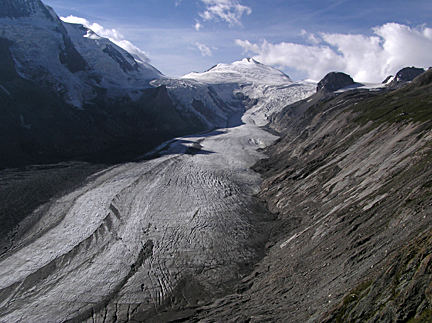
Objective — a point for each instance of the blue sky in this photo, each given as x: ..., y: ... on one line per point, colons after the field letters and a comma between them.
x: 305, y: 39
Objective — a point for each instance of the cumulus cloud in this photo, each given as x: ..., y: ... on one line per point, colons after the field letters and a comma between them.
x: 115, y: 36
x: 365, y: 58
x: 205, y: 51
x: 230, y: 11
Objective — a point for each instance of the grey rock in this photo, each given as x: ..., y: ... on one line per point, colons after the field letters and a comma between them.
x: 334, y: 81
x: 405, y: 75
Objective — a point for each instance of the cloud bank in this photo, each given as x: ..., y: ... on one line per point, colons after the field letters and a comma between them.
x: 365, y: 58
x: 230, y: 11
x: 112, y: 34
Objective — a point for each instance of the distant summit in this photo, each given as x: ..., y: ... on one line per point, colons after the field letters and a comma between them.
x: 407, y: 74
x: 334, y: 81
x: 247, y: 70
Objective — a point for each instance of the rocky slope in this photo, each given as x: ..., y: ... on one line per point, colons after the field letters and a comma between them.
x: 349, y: 182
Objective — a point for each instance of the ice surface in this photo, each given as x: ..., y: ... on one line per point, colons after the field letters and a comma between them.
x: 188, y: 212
x: 363, y: 86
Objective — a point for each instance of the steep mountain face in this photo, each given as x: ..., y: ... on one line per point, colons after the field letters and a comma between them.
x: 68, y: 58
x: 349, y: 182
x: 24, y: 9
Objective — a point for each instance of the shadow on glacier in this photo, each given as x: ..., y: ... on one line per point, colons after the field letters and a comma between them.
x: 233, y: 121
x: 182, y: 145
x: 178, y: 147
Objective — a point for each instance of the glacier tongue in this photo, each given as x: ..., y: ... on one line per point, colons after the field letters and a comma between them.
x: 132, y: 237
x: 136, y: 232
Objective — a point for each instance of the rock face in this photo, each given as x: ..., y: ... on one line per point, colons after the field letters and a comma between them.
x: 334, y: 81
x: 407, y: 74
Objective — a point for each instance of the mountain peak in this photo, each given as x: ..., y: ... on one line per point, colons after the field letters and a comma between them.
x: 17, y: 9
x: 407, y: 74
x: 334, y: 81
x: 248, y: 70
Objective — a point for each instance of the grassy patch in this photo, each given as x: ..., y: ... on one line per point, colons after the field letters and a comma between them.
x: 354, y: 296
x: 425, y: 317
x: 395, y: 107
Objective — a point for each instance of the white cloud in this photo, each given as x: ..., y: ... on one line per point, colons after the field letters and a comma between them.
x: 75, y: 20
x: 115, y: 36
x: 205, y: 51
x: 230, y: 11
x: 365, y: 58
x: 198, y: 26
x: 316, y: 61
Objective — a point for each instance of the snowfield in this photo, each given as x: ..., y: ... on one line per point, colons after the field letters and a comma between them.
x: 137, y: 230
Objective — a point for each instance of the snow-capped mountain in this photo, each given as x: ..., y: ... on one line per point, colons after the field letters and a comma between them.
x: 245, y: 71
x: 69, y: 58
x: 227, y: 89
x: 66, y: 93
x: 262, y: 89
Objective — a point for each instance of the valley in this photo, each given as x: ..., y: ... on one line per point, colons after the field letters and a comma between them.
x: 231, y: 195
